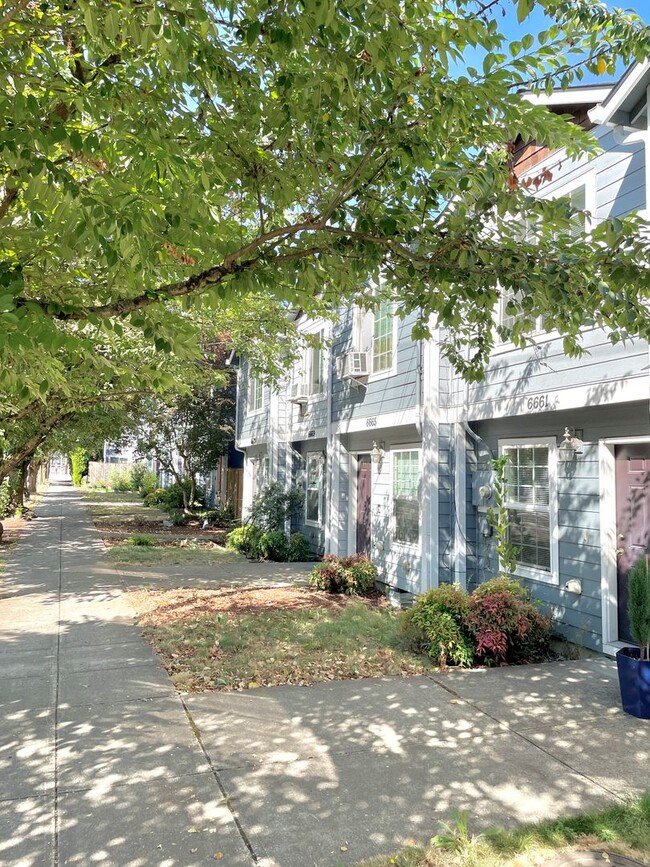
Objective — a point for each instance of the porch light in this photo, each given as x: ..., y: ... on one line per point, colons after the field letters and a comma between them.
x: 377, y: 455
x: 569, y: 447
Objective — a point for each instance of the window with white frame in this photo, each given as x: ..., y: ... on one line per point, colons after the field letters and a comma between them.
x: 530, y: 501
x: 406, y: 496
x: 314, y: 488
x: 382, y: 338
x: 314, y: 367
x: 255, y: 394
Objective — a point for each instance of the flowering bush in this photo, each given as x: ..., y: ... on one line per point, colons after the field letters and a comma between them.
x: 354, y: 575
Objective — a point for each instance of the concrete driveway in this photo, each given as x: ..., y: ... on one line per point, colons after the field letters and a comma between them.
x: 102, y: 762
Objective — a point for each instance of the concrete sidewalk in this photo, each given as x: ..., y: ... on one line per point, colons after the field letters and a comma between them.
x: 101, y: 762
x: 98, y: 762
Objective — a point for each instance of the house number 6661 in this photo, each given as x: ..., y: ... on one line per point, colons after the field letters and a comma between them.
x: 371, y: 422
x: 540, y: 401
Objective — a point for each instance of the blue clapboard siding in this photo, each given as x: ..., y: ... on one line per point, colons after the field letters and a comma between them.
x: 389, y: 394
x: 546, y: 370
x: 577, y: 616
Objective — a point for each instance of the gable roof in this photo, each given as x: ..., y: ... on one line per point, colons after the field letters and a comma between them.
x: 625, y: 95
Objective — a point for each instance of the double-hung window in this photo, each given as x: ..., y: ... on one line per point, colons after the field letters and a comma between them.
x: 314, y: 373
x: 314, y: 488
x: 383, y: 338
x: 530, y: 502
x: 406, y: 496
x: 255, y: 394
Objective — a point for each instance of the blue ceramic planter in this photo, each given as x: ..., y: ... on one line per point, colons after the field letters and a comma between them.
x: 634, y: 680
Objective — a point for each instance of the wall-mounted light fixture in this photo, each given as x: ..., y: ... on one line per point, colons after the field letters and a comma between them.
x: 377, y: 455
x: 569, y: 448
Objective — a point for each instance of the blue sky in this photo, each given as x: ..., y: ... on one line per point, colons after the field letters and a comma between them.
x: 537, y: 21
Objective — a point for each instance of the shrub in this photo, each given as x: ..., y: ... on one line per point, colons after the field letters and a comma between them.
x: 274, y: 545
x: 140, y: 540
x: 506, y: 625
x: 178, y: 517
x: 155, y: 497
x: 274, y: 506
x: 354, y: 575
x: 245, y: 540
x: 412, y: 636
x: 78, y: 465
x: 299, y: 550
x: 638, y: 606
x: 220, y: 517
x: 120, y: 480
x: 441, y: 613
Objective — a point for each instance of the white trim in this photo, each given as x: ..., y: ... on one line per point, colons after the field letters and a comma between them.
x: 392, y: 370
x: 430, y: 455
x: 397, y: 544
x: 572, y: 96
x: 608, y: 580
x: 460, y: 528
x: 525, y: 571
x: 318, y: 455
x: 614, y: 100
x: 632, y: 388
x: 608, y: 572
x: 398, y: 418
x: 353, y: 474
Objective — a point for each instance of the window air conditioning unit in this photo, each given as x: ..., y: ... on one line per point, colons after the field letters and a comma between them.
x: 298, y: 392
x: 356, y: 365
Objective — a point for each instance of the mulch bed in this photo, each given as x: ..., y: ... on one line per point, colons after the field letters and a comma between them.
x: 157, y: 607
x: 137, y: 525
x: 206, y: 544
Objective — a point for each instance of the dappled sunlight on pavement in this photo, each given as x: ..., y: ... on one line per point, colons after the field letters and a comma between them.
x: 102, y: 762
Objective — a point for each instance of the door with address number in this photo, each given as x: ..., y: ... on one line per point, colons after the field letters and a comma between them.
x: 364, y: 504
x: 632, y: 519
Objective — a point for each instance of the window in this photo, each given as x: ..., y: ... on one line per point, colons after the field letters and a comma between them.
x: 260, y: 474
x: 255, y: 394
x: 530, y: 501
x: 314, y: 367
x: 382, y: 338
x: 314, y: 488
x: 406, y: 499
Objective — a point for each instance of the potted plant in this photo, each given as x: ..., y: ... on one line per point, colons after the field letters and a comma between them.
x: 634, y: 662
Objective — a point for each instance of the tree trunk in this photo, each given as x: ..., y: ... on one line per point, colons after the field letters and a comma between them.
x: 19, y: 501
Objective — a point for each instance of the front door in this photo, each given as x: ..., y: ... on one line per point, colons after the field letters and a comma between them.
x: 632, y: 514
x: 364, y: 503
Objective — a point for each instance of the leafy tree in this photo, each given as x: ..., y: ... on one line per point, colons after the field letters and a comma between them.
x: 195, y: 427
x: 232, y: 155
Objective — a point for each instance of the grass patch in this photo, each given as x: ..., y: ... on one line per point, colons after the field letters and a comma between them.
x: 623, y: 829
x: 320, y: 638
x: 167, y: 555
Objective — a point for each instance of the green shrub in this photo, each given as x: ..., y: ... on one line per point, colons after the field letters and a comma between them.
x: 274, y: 506
x: 245, y: 540
x: 299, y: 549
x: 155, y: 497
x: 502, y: 584
x: 140, y: 540
x: 120, y: 480
x: 274, y: 545
x: 354, y: 575
x: 78, y: 465
x: 412, y: 637
x: 638, y: 605
x: 441, y: 614
x: 178, y: 517
x: 219, y: 517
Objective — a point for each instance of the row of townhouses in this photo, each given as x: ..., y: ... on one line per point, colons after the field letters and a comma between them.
x: 393, y: 449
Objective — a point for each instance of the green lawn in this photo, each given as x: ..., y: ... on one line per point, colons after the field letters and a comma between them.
x: 237, y: 651
x: 166, y: 555
x: 120, y: 505
x: 624, y: 829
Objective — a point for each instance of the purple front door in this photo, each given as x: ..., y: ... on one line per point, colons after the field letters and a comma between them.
x: 364, y: 501
x: 632, y: 513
